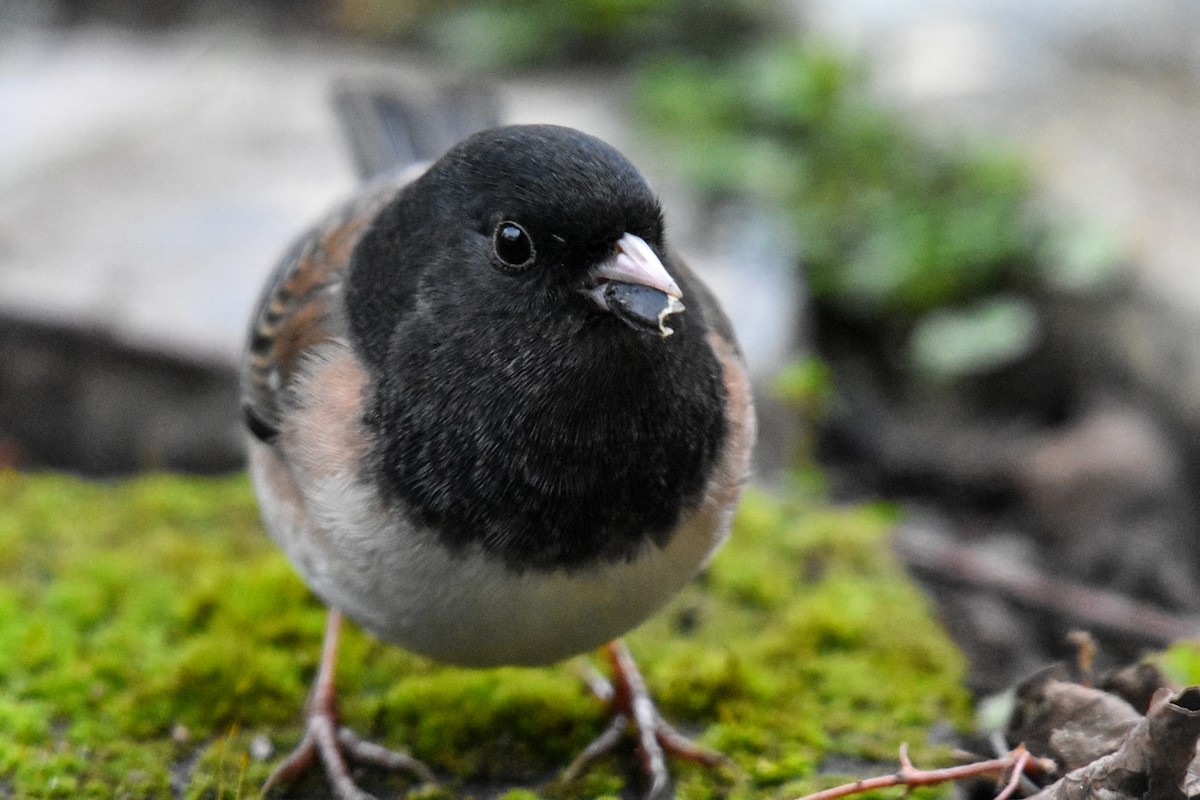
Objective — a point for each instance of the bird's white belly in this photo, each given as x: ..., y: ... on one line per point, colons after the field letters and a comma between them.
x: 470, y: 609
x: 466, y: 607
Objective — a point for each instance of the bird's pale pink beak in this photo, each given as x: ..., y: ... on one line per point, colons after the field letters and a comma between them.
x: 632, y: 261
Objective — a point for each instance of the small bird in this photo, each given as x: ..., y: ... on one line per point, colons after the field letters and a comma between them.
x: 492, y: 419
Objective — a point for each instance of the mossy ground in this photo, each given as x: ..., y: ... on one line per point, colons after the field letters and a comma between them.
x: 149, y: 631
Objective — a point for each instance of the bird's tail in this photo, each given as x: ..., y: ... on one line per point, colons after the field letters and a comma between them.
x: 390, y: 126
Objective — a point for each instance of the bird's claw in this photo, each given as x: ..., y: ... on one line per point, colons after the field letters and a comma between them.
x: 336, y: 746
x: 633, y: 708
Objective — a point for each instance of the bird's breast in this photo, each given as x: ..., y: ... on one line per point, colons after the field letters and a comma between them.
x: 367, y: 555
x: 562, y: 458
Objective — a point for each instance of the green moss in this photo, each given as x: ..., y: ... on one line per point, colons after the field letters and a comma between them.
x: 148, y: 629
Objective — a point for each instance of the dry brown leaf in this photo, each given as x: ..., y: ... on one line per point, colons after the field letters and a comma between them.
x: 1071, y: 724
x: 1151, y: 764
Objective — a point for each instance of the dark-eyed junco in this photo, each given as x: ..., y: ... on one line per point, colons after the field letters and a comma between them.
x: 494, y: 420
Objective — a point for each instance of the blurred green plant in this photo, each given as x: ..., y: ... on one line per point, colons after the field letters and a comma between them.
x: 805, y: 385
x: 890, y: 226
x: 490, y: 34
x: 985, y: 335
x: 806, y: 388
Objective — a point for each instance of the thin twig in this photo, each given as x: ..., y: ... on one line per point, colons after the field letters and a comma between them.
x: 1000, y: 747
x: 1015, y: 779
x: 935, y: 554
x: 908, y: 775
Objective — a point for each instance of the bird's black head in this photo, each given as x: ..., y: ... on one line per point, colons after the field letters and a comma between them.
x: 568, y: 198
x: 510, y: 305
x: 527, y: 219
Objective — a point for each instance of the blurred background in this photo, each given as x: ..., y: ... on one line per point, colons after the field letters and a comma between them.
x: 958, y: 239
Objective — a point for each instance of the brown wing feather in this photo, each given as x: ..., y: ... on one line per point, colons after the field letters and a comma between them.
x: 301, y: 307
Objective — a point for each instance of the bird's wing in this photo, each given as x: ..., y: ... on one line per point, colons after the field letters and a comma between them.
x: 394, y: 131
x: 301, y: 307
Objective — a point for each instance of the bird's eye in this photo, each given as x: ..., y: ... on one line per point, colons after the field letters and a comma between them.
x: 513, y: 246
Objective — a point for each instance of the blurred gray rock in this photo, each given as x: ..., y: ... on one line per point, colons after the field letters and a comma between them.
x: 149, y: 183
x: 146, y: 187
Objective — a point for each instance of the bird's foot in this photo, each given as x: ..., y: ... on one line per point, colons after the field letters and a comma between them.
x: 633, y: 709
x: 335, y: 745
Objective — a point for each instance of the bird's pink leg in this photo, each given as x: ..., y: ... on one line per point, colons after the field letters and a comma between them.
x: 633, y: 708
x: 324, y: 739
